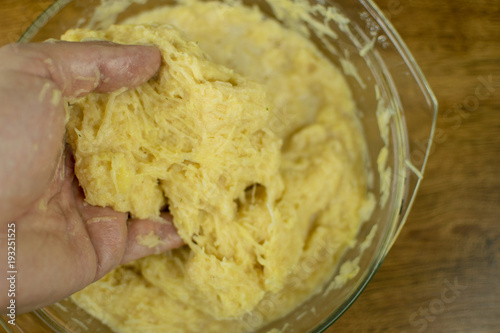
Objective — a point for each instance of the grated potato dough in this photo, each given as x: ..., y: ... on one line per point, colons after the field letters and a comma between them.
x: 249, y: 135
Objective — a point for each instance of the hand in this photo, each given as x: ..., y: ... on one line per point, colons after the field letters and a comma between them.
x: 62, y: 244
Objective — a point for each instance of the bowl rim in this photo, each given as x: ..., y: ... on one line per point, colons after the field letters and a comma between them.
x: 397, y: 221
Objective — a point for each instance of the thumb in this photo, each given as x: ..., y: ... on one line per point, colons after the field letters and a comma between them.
x: 80, y: 68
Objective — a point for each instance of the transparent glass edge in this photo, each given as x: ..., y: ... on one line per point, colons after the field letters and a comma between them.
x: 380, y: 254
x: 42, y: 20
x: 5, y: 326
x: 49, y: 321
x: 401, y: 46
x: 420, y: 176
x: 332, y: 319
x: 428, y: 94
x: 398, y: 221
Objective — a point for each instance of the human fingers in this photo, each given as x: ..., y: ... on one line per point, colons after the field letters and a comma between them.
x: 33, y: 79
x: 106, y: 229
x: 146, y: 237
x: 117, y: 241
x: 31, y: 141
x: 80, y: 68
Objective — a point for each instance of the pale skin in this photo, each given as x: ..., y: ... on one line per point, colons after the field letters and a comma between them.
x: 62, y: 243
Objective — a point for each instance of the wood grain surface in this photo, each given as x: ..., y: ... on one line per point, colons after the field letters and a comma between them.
x: 443, y: 273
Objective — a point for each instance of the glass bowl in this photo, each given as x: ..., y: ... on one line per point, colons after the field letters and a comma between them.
x: 397, y: 110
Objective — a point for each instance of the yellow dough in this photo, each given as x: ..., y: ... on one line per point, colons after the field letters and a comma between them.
x: 249, y: 135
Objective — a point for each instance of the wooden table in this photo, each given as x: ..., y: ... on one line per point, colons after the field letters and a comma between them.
x: 443, y: 273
